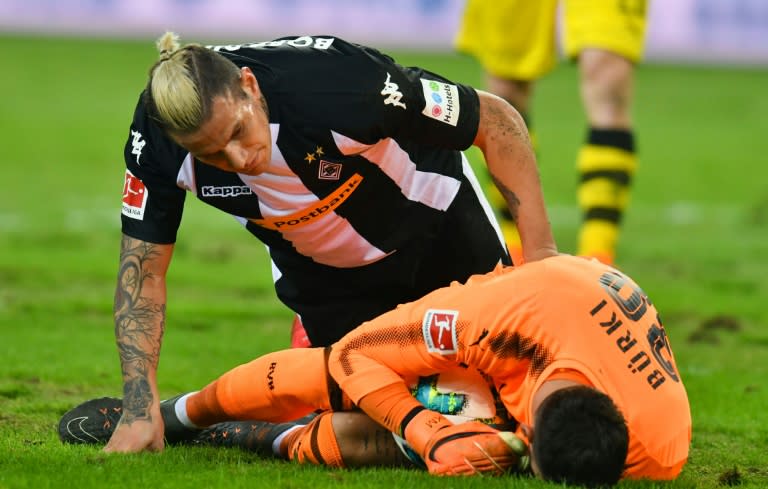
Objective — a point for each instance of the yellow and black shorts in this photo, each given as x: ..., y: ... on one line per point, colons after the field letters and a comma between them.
x: 517, y: 39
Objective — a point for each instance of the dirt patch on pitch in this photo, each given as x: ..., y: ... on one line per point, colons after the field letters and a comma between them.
x: 710, y: 329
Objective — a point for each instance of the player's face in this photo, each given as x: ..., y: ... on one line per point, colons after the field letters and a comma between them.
x: 236, y: 138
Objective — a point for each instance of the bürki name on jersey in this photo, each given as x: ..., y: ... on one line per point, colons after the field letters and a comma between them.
x: 135, y: 195
x: 322, y: 207
x: 442, y: 101
x: 299, y: 42
x: 633, y: 304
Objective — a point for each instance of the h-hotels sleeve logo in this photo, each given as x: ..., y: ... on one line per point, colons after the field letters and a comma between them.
x: 135, y: 195
x: 439, y: 330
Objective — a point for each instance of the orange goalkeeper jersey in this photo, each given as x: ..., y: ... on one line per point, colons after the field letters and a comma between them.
x: 522, y: 325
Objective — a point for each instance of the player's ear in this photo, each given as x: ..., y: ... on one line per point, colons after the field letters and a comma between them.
x: 249, y: 83
x: 527, y: 431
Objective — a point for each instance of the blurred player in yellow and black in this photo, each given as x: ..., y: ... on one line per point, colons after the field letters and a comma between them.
x: 515, y: 42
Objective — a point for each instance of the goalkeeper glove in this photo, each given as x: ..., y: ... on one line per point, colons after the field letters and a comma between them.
x: 464, y: 449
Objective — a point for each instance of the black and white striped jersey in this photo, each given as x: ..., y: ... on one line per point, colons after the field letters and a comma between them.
x: 366, y: 163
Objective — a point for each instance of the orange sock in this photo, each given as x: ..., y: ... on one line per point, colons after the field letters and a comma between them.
x: 314, y: 444
x: 276, y: 387
x: 203, y: 407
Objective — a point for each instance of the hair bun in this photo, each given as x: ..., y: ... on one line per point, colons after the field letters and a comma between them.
x: 167, y: 45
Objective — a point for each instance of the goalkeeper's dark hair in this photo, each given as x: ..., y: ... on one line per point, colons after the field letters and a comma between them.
x: 580, y: 438
x: 183, y: 83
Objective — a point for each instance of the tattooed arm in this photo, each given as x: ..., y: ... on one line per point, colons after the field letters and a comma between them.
x: 139, y: 311
x: 503, y: 139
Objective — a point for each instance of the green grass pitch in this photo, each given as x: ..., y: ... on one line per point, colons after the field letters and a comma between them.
x: 695, y: 238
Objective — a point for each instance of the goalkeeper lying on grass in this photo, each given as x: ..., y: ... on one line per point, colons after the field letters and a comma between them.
x: 575, y: 349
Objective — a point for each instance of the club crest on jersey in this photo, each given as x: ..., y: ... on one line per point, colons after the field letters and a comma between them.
x: 328, y: 170
x: 135, y: 195
x: 439, y: 330
x: 393, y: 93
x: 442, y: 101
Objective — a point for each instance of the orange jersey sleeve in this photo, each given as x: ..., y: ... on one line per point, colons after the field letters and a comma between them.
x: 519, y: 325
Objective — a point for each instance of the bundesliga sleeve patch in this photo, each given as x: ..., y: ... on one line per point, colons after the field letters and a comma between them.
x: 135, y: 196
x: 442, y: 101
x: 439, y: 330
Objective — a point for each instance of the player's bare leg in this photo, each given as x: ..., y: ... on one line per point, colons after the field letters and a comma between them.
x: 606, y: 161
x: 364, y: 442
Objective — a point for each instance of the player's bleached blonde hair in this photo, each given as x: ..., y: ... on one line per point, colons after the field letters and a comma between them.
x: 184, y: 81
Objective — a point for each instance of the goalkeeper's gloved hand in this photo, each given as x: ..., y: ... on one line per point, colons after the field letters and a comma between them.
x: 464, y: 449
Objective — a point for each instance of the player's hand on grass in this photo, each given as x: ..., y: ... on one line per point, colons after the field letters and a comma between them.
x: 464, y: 449
x: 137, y: 436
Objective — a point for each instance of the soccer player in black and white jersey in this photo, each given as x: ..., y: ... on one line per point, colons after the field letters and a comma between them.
x: 346, y: 165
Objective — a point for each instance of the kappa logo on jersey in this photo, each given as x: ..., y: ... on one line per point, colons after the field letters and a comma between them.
x: 439, y: 330
x: 392, y: 91
x: 137, y: 145
x: 135, y: 196
x: 226, y: 191
x: 442, y: 101
x: 329, y: 170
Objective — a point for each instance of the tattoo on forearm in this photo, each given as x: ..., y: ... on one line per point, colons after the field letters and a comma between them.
x: 513, y: 203
x: 510, y: 135
x: 136, y: 327
x: 137, y: 398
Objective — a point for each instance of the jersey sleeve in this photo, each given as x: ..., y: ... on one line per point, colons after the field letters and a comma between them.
x: 416, y: 339
x: 152, y: 202
x: 438, y: 332
x: 365, y: 95
x: 442, y: 113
